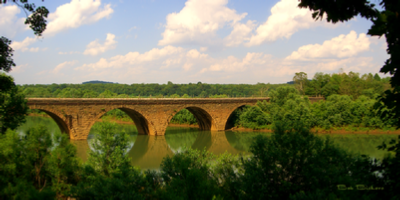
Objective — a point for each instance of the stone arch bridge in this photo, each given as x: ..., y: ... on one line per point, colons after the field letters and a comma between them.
x: 75, y: 116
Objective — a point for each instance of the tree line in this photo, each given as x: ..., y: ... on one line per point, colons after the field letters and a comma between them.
x: 146, y: 90
x: 351, y: 84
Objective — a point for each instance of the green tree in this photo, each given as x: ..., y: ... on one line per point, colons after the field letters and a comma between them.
x: 37, y: 165
x: 253, y: 117
x: 188, y: 175
x: 185, y: 96
x: 90, y: 94
x: 109, y: 174
x: 300, y: 81
x: 294, y: 163
x: 13, y: 106
x: 288, y: 106
x: 110, y: 149
x: 107, y: 94
x: 385, y: 22
x: 320, y: 80
x: 377, y: 77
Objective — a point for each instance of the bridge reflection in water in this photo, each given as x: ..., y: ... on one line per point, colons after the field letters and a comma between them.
x: 148, y: 152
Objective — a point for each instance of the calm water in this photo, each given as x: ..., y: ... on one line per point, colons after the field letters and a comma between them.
x: 147, y: 152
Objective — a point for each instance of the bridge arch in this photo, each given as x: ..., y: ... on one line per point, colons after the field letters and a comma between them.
x: 141, y: 123
x: 57, y: 117
x: 204, y: 119
x: 229, y: 121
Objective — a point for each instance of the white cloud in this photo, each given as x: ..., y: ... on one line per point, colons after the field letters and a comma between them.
x: 240, y: 33
x: 71, y: 52
x: 198, y: 22
x: 94, y: 47
x: 10, y: 25
x: 34, y: 49
x: 23, y: 46
x: 75, y: 14
x: 203, y: 49
x: 233, y: 64
x: 356, y: 64
x: 339, y: 47
x: 191, y: 65
x: 19, y: 68
x: 285, y: 19
x: 133, y: 28
x: 63, y: 65
x: 187, y: 66
x: 166, y: 56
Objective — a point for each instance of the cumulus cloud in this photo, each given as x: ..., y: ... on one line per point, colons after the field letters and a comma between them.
x: 19, y: 68
x: 75, y: 14
x: 240, y: 33
x: 63, y: 65
x: 70, y: 15
x: 285, y: 19
x: 198, y: 22
x: 339, y: 47
x: 23, y: 46
x: 135, y: 58
x: 356, y: 64
x: 94, y: 47
x: 203, y: 49
x: 10, y: 25
x: 234, y: 64
x: 192, y: 65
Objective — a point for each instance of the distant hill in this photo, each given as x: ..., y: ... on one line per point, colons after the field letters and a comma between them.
x: 290, y: 82
x: 96, y: 81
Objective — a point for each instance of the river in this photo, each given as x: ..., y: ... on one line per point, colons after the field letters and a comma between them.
x: 147, y: 152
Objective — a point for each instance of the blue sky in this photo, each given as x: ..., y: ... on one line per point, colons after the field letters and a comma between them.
x: 212, y: 41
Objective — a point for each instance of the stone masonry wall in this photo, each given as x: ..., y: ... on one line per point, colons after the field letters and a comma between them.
x: 75, y: 116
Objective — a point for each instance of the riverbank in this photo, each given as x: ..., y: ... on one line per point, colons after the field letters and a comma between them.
x: 335, y: 130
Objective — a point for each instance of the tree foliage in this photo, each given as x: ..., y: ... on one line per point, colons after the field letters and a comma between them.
x: 385, y: 22
x: 300, y: 80
x: 110, y: 150
x: 36, y: 165
x: 13, y: 106
x: 295, y: 163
